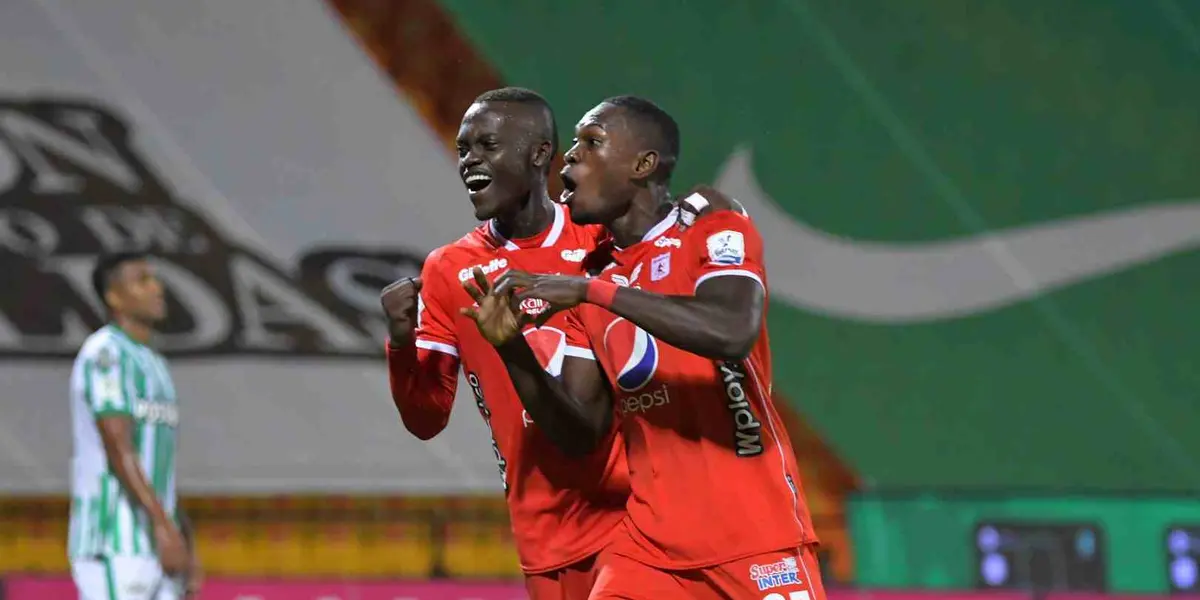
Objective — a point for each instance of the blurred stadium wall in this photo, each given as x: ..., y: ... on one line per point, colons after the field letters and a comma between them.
x: 981, y: 221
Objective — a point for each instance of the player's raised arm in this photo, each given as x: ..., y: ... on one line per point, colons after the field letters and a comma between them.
x: 721, y: 321
x: 574, y: 411
x: 112, y: 407
x: 422, y: 353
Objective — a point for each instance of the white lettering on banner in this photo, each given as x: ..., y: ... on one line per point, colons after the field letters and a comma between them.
x: 283, y: 306
x: 26, y: 233
x: 32, y: 139
x: 75, y: 187
x: 348, y: 277
x: 491, y: 267
x: 124, y: 229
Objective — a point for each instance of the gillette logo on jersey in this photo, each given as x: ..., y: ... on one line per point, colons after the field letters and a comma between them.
x: 491, y: 267
x: 776, y: 574
x: 624, y: 340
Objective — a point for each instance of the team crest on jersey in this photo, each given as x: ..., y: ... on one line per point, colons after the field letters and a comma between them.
x: 106, y: 359
x: 660, y: 267
x: 726, y: 248
x: 776, y: 574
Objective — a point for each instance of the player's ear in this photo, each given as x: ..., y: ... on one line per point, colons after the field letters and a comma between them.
x: 543, y: 153
x: 647, y: 163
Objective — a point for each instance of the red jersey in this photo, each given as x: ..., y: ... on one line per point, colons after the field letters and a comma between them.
x: 713, y: 475
x: 562, y: 509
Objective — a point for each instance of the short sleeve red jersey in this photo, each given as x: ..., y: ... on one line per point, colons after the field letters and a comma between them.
x: 712, y: 470
x: 562, y: 509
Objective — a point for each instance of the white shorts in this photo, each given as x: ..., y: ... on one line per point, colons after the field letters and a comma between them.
x: 123, y: 578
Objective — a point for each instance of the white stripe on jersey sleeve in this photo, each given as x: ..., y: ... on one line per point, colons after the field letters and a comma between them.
x: 437, y: 347
x: 728, y: 272
x: 578, y: 352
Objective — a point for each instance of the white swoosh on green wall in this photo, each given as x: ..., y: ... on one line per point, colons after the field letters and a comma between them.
x: 949, y: 278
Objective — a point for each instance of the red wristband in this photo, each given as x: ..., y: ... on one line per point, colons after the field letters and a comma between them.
x: 601, y: 293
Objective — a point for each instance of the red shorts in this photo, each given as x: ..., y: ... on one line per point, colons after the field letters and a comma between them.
x: 572, y: 582
x: 783, y: 575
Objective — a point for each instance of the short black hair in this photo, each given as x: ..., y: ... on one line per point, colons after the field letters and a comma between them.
x: 106, y: 266
x: 659, y: 129
x: 520, y: 95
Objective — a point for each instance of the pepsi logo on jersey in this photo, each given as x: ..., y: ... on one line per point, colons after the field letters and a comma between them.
x: 637, y: 353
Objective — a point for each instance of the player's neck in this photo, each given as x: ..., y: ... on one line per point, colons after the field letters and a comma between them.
x: 532, y: 218
x: 137, y: 331
x: 645, y: 211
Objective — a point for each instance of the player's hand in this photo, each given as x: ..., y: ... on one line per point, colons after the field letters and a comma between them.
x: 171, y: 548
x: 193, y: 578
x: 496, y: 317
x: 561, y: 291
x: 399, y: 300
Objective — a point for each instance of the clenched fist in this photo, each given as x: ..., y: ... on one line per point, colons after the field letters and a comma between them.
x: 399, y: 300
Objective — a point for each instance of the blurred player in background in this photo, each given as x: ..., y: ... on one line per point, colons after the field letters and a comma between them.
x: 677, y: 320
x: 565, y: 496
x: 127, y: 540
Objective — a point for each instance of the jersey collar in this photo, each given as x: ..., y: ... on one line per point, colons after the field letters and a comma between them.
x: 658, y: 230
x: 552, y: 236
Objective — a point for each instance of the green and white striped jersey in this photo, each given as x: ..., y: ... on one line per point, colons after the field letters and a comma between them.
x: 117, y: 376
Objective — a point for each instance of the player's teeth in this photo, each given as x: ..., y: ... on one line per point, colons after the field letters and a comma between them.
x: 477, y: 177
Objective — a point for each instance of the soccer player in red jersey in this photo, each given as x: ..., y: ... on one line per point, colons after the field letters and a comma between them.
x: 565, y: 499
x: 677, y: 320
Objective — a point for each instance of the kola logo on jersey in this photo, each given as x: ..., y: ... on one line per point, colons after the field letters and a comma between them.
x: 576, y: 255
x: 533, y: 306
x: 747, y: 430
x: 491, y: 267
x: 776, y: 574
x: 664, y: 242
x: 637, y: 352
x: 156, y: 412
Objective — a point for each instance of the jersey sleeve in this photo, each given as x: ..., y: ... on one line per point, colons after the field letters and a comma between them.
x: 435, y: 318
x: 725, y: 244
x: 104, y: 377
x: 578, y: 343
x: 423, y: 383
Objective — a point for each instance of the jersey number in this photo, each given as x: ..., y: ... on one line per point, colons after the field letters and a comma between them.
x: 801, y: 595
x: 477, y: 391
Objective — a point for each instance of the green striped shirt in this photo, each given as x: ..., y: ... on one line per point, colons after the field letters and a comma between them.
x: 115, y: 376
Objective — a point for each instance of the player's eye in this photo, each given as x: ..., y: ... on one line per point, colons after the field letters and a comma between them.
x: 462, y: 150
